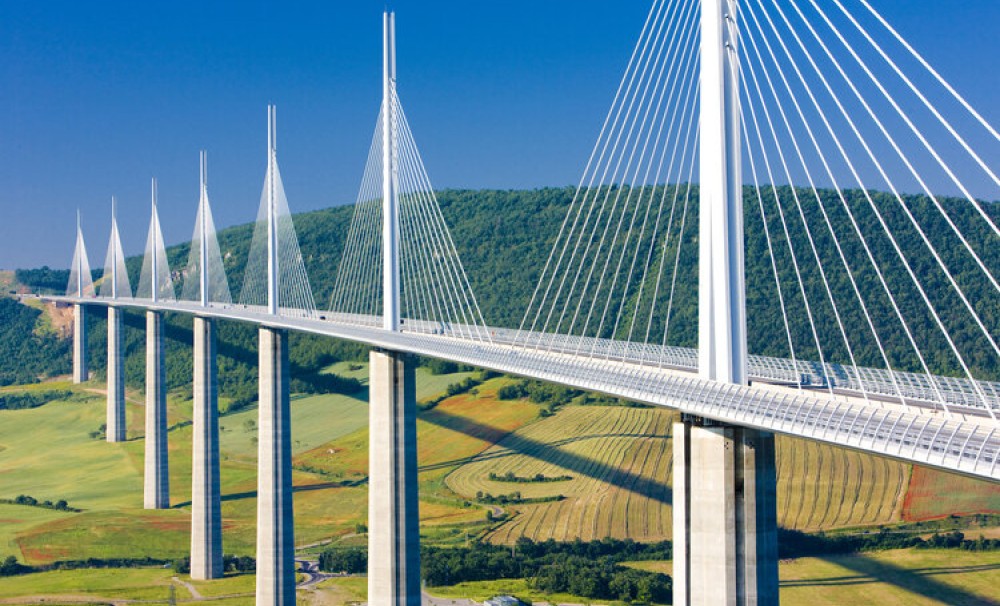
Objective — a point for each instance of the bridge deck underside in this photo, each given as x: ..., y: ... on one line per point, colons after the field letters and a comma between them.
x: 965, y: 444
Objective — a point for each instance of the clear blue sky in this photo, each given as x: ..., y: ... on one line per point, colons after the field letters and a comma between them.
x: 97, y: 97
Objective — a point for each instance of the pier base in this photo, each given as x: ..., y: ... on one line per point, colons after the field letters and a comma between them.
x: 206, y: 514
x: 275, y: 528
x: 156, y: 487
x: 80, y: 370
x: 393, y: 519
x: 115, y: 426
x: 725, y: 515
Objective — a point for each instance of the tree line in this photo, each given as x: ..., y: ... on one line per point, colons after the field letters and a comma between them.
x: 504, y: 238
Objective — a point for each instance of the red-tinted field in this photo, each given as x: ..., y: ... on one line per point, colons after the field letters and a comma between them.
x: 936, y: 494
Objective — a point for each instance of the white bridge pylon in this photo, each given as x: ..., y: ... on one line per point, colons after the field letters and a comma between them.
x: 155, y: 281
x: 275, y: 261
x: 432, y: 287
x: 81, y: 281
x: 205, y: 274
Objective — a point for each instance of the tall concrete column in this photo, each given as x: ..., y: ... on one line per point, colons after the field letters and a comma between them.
x: 206, y: 515
x: 725, y: 527
x: 275, y: 527
x: 156, y: 488
x: 393, y: 517
x: 80, y: 370
x: 115, y: 427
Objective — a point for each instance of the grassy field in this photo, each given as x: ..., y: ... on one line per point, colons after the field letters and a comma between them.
x: 910, y: 577
x: 131, y: 583
x: 330, y: 446
x: 448, y: 436
x: 913, y: 577
x: 620, y: 461
x: 821, y: 487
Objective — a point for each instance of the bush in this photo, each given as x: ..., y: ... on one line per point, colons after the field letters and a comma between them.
x: 231, y: 563
x: 22, y: 401
x: 350, y: 561
x: 182, y: 565
x: 10, y: 567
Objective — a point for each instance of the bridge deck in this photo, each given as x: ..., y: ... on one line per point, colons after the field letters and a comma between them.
x: 963, y: 443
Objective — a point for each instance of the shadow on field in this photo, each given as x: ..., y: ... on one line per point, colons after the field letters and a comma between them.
x: 235, y: 352
x: 917, y: 580
x: 550, y: 453
x: 252, y: 494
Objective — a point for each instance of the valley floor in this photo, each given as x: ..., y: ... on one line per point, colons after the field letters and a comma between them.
x: 608, y: 470
x: 911, y: 577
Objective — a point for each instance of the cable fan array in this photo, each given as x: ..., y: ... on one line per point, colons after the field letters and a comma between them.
x: 155, y: 281
x: 81, y: 281
x: 844, y: 279
x: 868, y: 275
x: 622, y: 267
x: 294, y: 293
x: 435, y: 295
x: 115, y: 283
x: 205, y: 275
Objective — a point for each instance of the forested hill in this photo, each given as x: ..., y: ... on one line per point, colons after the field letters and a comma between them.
x: 504, y: 239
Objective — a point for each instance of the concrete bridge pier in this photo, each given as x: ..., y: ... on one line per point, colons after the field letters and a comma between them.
x: 275, y: 527
x: 206, y: 515
x: 725, y: 515
x: 115, y: 426
x: 393, y: 518
x: 80, y: 371
x: 156, y: 487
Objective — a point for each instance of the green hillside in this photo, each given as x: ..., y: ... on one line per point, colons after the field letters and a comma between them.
x: 504, y: 238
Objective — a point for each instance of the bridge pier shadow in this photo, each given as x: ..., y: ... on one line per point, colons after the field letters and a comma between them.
x: 546, y: 451
x: 921, y: 581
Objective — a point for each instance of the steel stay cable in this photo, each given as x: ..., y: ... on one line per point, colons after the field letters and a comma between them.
x: 659, y: 94
x: 846, y: 207
x: 626, y: 288
x: 628, y: 117
x: 781, y: 212
x: 644, y: 108
x: 819, y: 202
x: 640, y: 43
x: 912, y: 220
x: 906, y: 209
x: 447, y: 240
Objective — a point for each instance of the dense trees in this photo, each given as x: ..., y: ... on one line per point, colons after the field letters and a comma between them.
x: 504, y: 239
x: 27, y: 353
x: 350, y: 561
x: 44, y: 279
x: 590, y: 570
x: 31, y: 399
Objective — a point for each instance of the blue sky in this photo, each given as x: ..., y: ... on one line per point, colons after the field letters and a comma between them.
x: 98, y: 97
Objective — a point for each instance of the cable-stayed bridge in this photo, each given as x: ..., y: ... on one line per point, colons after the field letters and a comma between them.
x: 793, y: 126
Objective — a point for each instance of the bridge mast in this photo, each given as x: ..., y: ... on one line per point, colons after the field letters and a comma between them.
x: 272, y: 225
x: 206, y: 499
x: 725, y: 519
x: 114, y: 248
x: 722, y: 338
x: 80, y: 370
x: 79, y: 256
x: 275, y: 528
x: 393, y: 520
x: 203, y: 228
x: 390, y: 200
